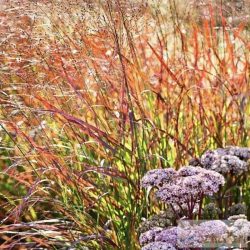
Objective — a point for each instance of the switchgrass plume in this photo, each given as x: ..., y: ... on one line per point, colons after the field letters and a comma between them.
x: 94, y: 94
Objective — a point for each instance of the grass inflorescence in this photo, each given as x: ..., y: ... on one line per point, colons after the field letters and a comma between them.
x: 95, y: 94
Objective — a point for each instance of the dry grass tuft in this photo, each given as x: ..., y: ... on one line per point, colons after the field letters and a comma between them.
x: 94, y: 95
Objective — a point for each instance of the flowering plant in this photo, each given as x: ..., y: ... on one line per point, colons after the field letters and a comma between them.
x: 228, y: 161
x: 184, y: 191
x: 233, y: 163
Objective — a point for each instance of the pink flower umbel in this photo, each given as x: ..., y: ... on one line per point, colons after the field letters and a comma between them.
x: 158, y: 177
x: 185, y: 187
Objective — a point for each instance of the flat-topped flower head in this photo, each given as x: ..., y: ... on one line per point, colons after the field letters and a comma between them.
x: 227, y: 160
x: 158, y: 245
x: 149, y: 236
x: 189, y: 237
x: 158, y: 177
x: 172, y: 194
x: 210, y: 156
x: 190, y: 184
x: 168, y: 235
x: 229, y: 163
x: 213, y: 228
x: 212, y: 181
x: 167, y: 240
x: 189, y: 171
x: 193, y: 184
x: 240, y: 227
x: 241, y: 152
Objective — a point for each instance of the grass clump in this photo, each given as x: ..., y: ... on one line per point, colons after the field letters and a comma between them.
x: 92, y: 96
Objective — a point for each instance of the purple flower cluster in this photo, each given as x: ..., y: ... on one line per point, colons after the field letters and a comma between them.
x: 189, y: 234
x: 196, y: 235
x: 186, y: 235
x: 172, y: 194
x: 188, y: 171
x: 240, y: 227
x: 227, y: 160
x: 158, y: 245
x: 241, y: 152
x: 213, y: 228
x: 159, y: 237
x: 190, y: 183
x: 184, y: 191
x: 168, y: 235
x: 189, y: 237
x: 211, y: 182
x: 149, y: 236
x: 157, y: 177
